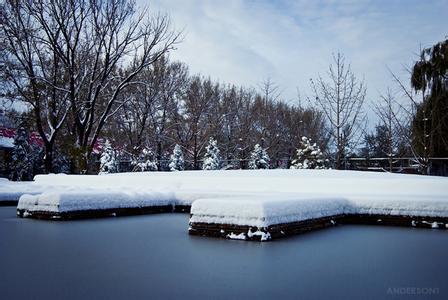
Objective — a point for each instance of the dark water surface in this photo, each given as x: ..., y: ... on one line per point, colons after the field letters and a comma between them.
x: 153, y: 257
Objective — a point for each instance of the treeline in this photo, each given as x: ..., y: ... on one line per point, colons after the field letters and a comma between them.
x: 168, y: 107
x: 91, y: 71
x: 96, y: 70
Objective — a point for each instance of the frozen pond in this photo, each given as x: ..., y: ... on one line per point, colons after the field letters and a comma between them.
x: 153, y: 257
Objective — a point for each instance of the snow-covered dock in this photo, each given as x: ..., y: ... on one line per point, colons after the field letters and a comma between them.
x: 264, y: 220
x: 69, y: 205
x: 243, y: 204
x: 10, y: 192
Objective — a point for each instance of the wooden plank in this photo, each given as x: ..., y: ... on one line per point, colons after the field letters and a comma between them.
x: 95, y: 213
x: 294, y: 228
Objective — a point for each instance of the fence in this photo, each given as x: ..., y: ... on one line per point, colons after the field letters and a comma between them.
x: 436, y: 165
x: 409, y: 165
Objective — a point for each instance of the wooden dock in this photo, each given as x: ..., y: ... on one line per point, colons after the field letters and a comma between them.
x: 294, y: 228
x: 249, y: 233
x: 95, y: 213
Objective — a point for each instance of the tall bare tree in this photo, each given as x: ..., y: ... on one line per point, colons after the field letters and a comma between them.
x: 148, y: 116
x: 197, y: 116
x: 33, y: 67
x: 389, y: 113
x: 90, y: 41
x: 341, y: 98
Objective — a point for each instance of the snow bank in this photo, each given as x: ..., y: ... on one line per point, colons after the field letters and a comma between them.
x: 265, y: 212
x: 11, y: 191
x: 242, y: 197
x: 402, y: 205
x: 58, y: 202
x: 262, y: 213
x: 6, y: 142
x: 313, y: 183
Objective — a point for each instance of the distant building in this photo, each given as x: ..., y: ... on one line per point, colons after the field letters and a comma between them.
x: 7, y: 134
x: 6, y: 142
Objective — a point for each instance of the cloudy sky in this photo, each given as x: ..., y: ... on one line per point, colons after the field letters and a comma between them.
x: 243, y: 42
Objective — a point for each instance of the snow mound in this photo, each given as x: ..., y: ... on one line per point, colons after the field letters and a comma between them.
x: 58, y: 202
x: 256, y: 198
x: 265, y: 212
x: 11, y: 191
x: 402, y: 205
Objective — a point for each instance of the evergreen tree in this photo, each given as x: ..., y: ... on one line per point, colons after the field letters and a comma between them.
x: 108, y: 162
x: 212, y: 160
x: 61, y: 163
x: 177, y: 159
x: 144, y: 162
x: 259, y: 158
x: 309, y: 156
x: 22, y: 159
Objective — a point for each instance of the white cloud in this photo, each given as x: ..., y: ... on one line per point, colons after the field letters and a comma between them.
x: 242, y: 42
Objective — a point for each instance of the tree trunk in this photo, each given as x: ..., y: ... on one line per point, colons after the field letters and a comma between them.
x: 48, y: 159
x: 159, y: 155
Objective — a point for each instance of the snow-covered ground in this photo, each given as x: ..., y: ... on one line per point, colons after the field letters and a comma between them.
x: 243, y: 197
x: 6, y: 142
x: 11, y: 191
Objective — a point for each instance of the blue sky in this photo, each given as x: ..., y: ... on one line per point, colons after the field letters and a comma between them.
x: 243, y: 42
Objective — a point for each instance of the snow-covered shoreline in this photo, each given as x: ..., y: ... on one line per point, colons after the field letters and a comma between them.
x: 258, y: 198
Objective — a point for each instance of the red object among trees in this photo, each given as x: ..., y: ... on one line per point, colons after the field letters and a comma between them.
x: 34, y: 139
x: 10, y: 133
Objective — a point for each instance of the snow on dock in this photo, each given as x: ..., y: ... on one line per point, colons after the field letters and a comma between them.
x: 249, y: 204
x: 10, y: 191
x: 73, y: 204
x: 241, y: 218
x: 263, y: 212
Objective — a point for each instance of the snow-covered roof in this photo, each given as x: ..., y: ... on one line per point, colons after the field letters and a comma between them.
x: 7, y: 138
x: 6, y: 142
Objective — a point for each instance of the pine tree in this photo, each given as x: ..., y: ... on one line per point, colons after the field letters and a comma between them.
x: 177, y: 159
x: 61, y: 163
x: 309, y: 156
x: 212, y: 159
x: 259, y: 158
x: 108, y: 161
x: 22, y: 157
x: 144, y: 162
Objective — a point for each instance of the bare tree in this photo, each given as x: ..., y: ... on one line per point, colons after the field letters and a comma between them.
x: 388, y: 112
x: 90, y: 41
x: 147, y: 117
x: 34, y: 69
x: 269, y: 90
x: 171, y: 79
x: 114, y: 34
x: 243, y: 122
x: 231, y: 107
x: 341, y: 99
x: 405, y: 127
x: 270, y: 93
x: 196, y: 119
